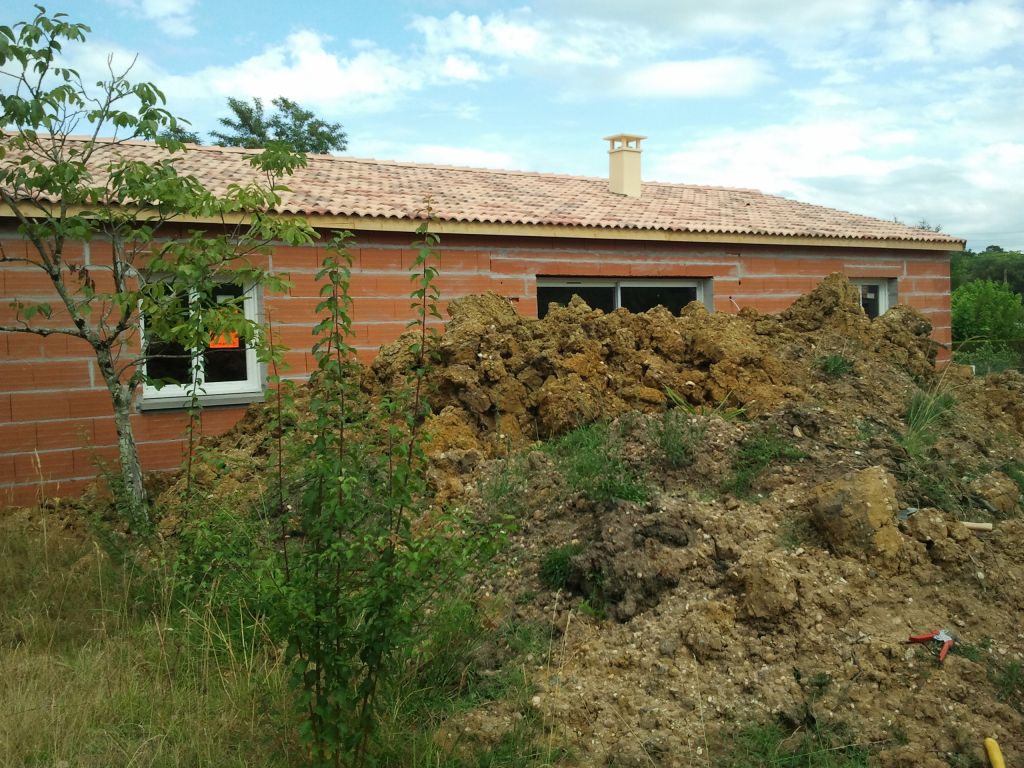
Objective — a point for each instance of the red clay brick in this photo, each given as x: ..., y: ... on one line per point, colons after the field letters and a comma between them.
x: 925, y: 285
x: 164, y: 455
x: 68, y: 433
x: 152, y: 426
x: 92, y: 403
x: 28, y: 283
x: 296, y: 258
x: 88, y: 461
x: 303, y: 285
x: 216, y: 421
x: 31, y: 406
x: 927, y: 268
x: 49, y: 465
x: 17, y: 438
x: 295, y: 310
x: 464, y: 261
x: 6, y: 468
x: 381, y: 259
x: 15, y: 377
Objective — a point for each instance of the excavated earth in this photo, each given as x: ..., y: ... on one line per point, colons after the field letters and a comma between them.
x: 698, y: 612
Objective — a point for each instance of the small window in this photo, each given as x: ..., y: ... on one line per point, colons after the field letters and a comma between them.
x: 874, y: 295
x: 608, y: 295
x: 224, y: 368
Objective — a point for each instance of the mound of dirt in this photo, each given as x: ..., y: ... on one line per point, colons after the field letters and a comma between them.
x: 783, y: 594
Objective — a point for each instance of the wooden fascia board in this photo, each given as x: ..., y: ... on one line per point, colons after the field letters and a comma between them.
x: 392, y: 224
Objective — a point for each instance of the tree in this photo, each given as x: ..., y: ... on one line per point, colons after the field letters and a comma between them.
x: 62, y: 191
x: 993, y: 263
x: 296, y: 127
x: 181, y: 134
x: 984, y: 310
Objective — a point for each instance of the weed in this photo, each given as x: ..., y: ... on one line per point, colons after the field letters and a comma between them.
x: 1015, y: 471
x: 505, y: 488
x: 926, y: 413
x: 816, y: 747
x: 1009, y: 682
x: 756, y: 453
x: 554, y: 567
x: 680, y: 435
x: 834, y: 365
x: 590, y: 458
x: 795, y: 531
x: 970, y: 651
x: 593, y: 609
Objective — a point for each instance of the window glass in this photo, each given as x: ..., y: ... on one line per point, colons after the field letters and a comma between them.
x: 596, y: 296
x: 640, y: 298
x: 225, y: 358
x: 870, y: 298
x: 169, y: 361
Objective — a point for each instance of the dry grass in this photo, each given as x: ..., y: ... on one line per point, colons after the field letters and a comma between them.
x: 96, y: 670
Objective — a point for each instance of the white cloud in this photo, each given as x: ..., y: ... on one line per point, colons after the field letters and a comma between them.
x: 498, y: 36
x: 521, y: 37
x: 460, y: 68
x: 723, y: 76
x: 303, y: 69
x: 172, y: 17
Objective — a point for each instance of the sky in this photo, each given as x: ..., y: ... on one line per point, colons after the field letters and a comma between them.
x: 905, y: 109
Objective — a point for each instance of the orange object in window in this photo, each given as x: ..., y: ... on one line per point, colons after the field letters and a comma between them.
x: 227, y: 340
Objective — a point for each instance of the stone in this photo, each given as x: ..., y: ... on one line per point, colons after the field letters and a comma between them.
x: 857, y: 513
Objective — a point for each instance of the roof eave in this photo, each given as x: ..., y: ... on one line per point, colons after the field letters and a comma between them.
x: 499, y: 229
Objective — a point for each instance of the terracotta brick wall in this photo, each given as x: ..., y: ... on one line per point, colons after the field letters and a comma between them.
x: 55, y: 416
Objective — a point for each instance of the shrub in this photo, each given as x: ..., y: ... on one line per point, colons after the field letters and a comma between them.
x: 988, y: 357
x: 988, y: 311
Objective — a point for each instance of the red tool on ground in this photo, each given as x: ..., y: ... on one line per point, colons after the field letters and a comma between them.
x: 940, y: 636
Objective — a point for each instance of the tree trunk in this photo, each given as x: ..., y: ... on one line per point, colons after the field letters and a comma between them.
x: 128, y: 454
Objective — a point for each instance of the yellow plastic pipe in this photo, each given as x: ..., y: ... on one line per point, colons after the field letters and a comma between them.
x: 994, y: 755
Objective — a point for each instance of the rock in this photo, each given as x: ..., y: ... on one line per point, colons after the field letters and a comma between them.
x: 768, y: 587
x: 857, y: 513
x: 999, y: 492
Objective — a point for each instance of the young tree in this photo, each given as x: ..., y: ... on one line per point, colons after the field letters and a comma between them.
x: 64, y: 191
x: 298, y: 128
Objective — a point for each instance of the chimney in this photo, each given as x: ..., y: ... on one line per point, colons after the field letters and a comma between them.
x: 624, y: 164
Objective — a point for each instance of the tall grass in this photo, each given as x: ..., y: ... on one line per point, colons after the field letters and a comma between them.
x: 96, y: 671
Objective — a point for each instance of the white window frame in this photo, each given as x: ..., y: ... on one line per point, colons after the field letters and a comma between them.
x: 617, y: 284
x: 212, y: 393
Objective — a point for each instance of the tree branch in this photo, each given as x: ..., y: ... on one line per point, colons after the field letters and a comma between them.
x: 42, y: 331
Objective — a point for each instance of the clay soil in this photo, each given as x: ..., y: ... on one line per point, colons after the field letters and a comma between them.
x: 691, y: 615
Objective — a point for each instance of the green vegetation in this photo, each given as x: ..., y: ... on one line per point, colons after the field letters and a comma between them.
x: 554, y: 567
x: 755, y: 454
x: 834, y: 365
x: 591, y: 461
x: 928, y: 475
x: 101, y: 666
x: 772, y: 745
x: 988, y: 325
x: 680, y: 434
x: 927, y: 413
